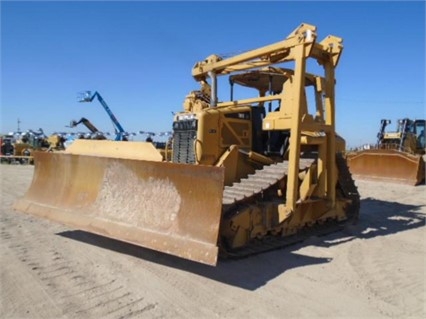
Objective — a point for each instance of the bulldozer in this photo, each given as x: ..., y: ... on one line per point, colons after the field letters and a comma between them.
x: 397, y: 157
x: 245, y: 175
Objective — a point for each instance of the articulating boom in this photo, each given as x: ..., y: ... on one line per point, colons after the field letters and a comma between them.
x: 92, y: 128
x: 119, y: 131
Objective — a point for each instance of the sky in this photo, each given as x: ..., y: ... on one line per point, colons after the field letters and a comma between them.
x: 139, y: 55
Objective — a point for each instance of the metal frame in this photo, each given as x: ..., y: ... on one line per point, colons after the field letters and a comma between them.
x: 297, y: 47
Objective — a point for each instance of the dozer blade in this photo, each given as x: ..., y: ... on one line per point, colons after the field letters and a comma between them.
x: 387, y: 165
x: 171, y: 208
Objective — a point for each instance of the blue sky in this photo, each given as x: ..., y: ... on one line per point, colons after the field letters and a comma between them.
x: 139, y: 56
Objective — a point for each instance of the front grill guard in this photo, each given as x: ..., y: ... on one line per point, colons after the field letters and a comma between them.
x: 185, y: 133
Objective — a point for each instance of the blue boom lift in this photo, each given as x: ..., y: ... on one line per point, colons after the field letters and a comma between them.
x: 120, y: 134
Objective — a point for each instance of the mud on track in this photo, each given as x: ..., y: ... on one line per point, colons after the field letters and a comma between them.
x: 373, y: 269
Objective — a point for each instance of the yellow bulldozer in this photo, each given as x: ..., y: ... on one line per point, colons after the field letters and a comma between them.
x: 398, y: 156
x: 245, y: 175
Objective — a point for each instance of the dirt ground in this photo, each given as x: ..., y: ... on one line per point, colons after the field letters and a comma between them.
x: 374, y: 269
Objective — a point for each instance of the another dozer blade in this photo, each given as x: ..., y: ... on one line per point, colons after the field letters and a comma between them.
x: 172, y: 208
x: 387, y: 165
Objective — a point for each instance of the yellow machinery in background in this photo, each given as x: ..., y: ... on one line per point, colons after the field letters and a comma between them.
x: 397, y: 157
x: 245, y: 176
x: 13, y: 152
x: 19, y: 148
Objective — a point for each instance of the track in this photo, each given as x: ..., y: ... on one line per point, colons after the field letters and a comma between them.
x: 250, y: 191
x: 259, y: 182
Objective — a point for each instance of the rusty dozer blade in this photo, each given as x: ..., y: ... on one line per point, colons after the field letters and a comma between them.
x: 171, y: 208
x: 387, y: 165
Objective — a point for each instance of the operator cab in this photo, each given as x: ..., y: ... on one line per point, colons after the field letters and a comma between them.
x: 419, y: 131
x: 267, y: 81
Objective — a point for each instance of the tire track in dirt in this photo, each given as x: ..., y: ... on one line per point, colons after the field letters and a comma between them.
x: 390, y: 281
x: 194, y: 289
x: 78, y: 293
x: 54, y: 265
